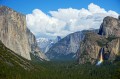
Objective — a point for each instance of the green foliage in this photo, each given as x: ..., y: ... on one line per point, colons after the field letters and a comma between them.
x: 15, y: 67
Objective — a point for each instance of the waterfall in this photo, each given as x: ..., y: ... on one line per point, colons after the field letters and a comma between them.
x: 101, y: 57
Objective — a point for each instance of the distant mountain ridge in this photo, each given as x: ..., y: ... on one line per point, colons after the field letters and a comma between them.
x: 45, y: 44
x: 66, y: 48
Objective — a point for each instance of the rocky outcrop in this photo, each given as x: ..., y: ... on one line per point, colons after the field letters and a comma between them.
x: 107, y: 39
x: 15, y: 35
x: 110, y: 27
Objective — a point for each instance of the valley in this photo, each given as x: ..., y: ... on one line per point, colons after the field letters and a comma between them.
x: 81, y: 54
x: 16, y: 67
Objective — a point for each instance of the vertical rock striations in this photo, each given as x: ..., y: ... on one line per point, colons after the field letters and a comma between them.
x: 14, y: 33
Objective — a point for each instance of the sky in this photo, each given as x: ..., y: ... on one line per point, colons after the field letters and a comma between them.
x: 51, y: 18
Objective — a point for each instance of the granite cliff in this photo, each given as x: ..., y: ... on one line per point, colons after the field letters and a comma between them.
x: 14, y: 33
x: 106, y: 40
x: 110, y: 27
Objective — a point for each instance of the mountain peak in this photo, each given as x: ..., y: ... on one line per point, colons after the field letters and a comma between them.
x: 110, y: 27
x: 6, y: 10
x: 4, y: 7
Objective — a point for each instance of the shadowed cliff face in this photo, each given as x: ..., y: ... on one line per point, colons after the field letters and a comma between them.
x: 108, y: 40
x: 34, y: 48
x: 31, y: 40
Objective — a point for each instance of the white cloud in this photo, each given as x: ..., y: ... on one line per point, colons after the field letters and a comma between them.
x: 95, y: 9
x: 65, y: 21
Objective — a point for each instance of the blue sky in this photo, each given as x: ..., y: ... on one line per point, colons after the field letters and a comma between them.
x: 26, y: 6
x: 52, y: 18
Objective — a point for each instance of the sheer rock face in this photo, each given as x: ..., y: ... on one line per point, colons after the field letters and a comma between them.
x: 89, y: 48
x: 13, y: 31
x: 16, y: 36
x: 110, y: 27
